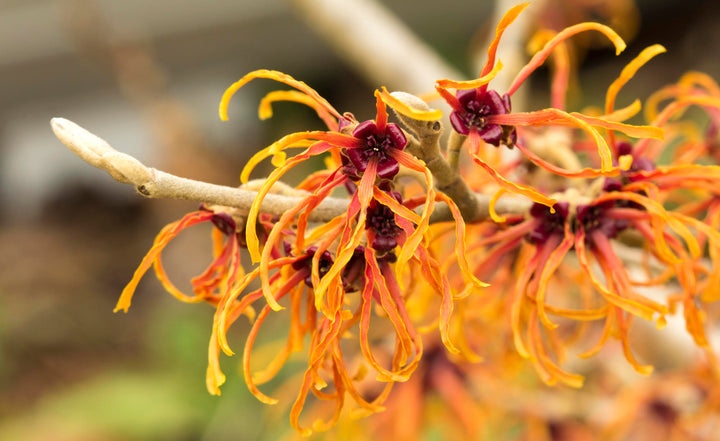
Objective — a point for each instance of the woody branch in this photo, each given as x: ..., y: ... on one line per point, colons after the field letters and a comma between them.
x: 155, y: 183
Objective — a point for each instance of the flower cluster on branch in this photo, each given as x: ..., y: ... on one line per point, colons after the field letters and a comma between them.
x: 384, y: 293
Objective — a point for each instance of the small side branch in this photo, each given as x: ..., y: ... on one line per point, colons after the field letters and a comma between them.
x: 425, y: 145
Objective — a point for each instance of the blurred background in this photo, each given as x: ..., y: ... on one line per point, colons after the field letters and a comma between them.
x: 147, y: 76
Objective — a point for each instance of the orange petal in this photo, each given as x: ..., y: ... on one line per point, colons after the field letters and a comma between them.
x: 528, y: 267
x: 294, y: 140
x: 550, y: 371
x: 507, y: 185
x: 253, y: 244
x: 161, y: 241
x: 214, y: 377
x: 375, y: 280
x: 246, y: 359
x: 701, y: 79
x: 460, y: 242
x: 277, y: 76
x: 634, y: 131
x: 169, y: 286
x: 561, y: 59
x: 558, y: 117
x: 625, y: 113
x: 404, y: 109
x: 471, y: 84
x: 584, y: 173
x: 413, y: 241
x: 628, y: 72
x: 265, y: 108
x: 632, y: 306
x: 675, y: 221
x: 491, y: 207
x: 563, y: 35
x: 623, y: 329
x: 580, y: 315
x: 399, y: 209
x: 549, y: 268
x: 607, y: 331
x: 348, y: 244
x: 381, y: 115
x: 506, y: 21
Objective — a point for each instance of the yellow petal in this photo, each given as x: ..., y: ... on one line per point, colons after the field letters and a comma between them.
x: 510, y: 16
x: 628, y: 72
x: 472, y: 84
x: 563, y: 35
x: 277, y: 76
x: 404, y: 109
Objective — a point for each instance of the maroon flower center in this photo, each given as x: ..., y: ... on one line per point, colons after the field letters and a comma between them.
x: 639, y: 163
x: 550, y: 223
x: 381, y: 221
x: 476, y: 114
x: 475, y: 108
x: 305, y: 264
x: 588, y: 217
x: 352, y: 275
x: 595, y: 218
x: 376, y: 145
x: 225, y: 223
x: 222, y: 221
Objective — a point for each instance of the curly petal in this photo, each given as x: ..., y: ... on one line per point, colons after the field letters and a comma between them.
x: 540, y: 57
x: 277, y: 76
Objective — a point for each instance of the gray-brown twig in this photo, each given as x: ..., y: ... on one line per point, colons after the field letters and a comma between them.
x: 154, y: 183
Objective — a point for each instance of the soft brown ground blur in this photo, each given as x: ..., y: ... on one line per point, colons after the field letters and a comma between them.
x: 147, y: 76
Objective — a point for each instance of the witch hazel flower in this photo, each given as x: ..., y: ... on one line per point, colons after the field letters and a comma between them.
x: 621, y: 158
x: 367, y: 251
x: 576, y: 242
x: 370, y: 275
x: 691, y: 184
x: 586, y: 226
x: 474, y: 108
x: 379, y: 144
x: 483, y: 115
x: 381, y: 226
x: 220, y: 276
x: 381, y: 293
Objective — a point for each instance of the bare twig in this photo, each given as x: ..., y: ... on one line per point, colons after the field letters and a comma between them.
x: 154, y: 183
x: 454, y: 145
